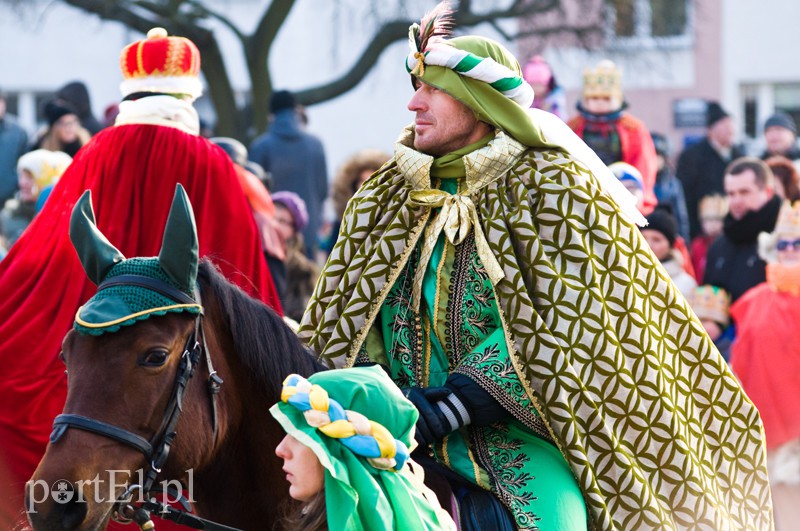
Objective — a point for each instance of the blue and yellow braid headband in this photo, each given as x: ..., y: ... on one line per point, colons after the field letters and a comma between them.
x: 362, y: 436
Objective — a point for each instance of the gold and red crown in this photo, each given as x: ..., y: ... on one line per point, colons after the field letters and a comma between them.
x: 604, y: 80
x: 713, y: 207
x: 710, y: 302
x: 788, y: 220
x: 161, y: 64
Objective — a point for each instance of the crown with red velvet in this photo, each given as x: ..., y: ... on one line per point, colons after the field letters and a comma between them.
x: 161, y: 64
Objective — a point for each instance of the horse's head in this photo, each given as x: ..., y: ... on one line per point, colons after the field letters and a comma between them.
x: 129, y: 359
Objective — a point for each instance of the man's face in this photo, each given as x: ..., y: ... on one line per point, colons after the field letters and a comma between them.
x: 723, y: 132
x: 2, y: 108
x: 443, y: 124
x: 779, y: 139
x: 743, y: 193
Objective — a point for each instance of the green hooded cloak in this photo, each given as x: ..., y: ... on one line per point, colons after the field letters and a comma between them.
x: 655, y: 428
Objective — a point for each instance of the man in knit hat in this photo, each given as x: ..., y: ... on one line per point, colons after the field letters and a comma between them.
x: 493, y: 267
x: 701, y: 166
x: 132, y: 169
x: 612, y: 132
x: 780, y: 135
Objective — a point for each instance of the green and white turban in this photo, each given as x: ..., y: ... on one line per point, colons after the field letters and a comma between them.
x: 503, y: 79
x: 483, y: 75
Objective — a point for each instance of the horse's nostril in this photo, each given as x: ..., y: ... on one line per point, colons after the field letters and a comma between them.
x: 73, y: 513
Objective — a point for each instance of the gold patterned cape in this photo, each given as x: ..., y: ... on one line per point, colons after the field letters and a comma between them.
x: 655, y: 427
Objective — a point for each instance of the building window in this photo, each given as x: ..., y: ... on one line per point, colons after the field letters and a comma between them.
x: 651, y: 23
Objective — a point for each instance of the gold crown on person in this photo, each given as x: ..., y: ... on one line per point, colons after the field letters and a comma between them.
x: 604, y: 80
x: 710, y: 302
x: 788, y: 220
x: 160, y: 63
x: 713, y: 207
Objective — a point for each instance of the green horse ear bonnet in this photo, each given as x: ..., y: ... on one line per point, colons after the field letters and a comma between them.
x: 130, y: 290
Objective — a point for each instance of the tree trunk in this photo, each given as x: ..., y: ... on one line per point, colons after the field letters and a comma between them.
x: 229, y: 119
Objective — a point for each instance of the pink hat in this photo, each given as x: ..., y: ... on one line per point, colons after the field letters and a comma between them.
x: 537, y: 71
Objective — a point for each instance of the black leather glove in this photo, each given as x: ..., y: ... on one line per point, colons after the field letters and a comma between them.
x: 440, y: 413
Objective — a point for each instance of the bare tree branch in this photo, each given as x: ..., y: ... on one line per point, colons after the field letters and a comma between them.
x: 204, y: 12
x: 395, y: 30
x: 188, y: 18
x: 118, y: 12
x: 389, y: 33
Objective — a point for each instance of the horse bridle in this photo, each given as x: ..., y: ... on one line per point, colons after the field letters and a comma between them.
x: 155, y: 450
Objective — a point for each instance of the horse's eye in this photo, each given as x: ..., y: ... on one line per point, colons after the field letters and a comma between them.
x: 62, y: 358
x: 155, y: 358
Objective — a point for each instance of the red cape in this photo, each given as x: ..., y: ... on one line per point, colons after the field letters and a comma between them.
x: 132, y: 171
x: 766, y: 358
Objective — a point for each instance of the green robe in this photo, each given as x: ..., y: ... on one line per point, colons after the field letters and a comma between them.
x: 655, y: 428
x: 460, y: 331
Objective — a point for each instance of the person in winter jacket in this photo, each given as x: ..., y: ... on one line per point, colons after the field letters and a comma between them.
x: 733, y: 262
x: 296, y: 161
x: 701, y: 166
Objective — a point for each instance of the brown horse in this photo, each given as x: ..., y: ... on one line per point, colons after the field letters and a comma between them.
x: 223, y: 453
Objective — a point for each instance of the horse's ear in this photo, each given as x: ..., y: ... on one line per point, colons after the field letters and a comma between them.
x: 179, y: 250
x: 95, y: 252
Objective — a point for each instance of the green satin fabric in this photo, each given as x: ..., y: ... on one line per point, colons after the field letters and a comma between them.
x: 452, y: 164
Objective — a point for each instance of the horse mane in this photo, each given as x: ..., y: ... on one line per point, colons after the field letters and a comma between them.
x: 267, y: 347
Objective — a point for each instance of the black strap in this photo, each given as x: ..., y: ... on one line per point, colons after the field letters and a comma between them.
x: 186, y: 519
x: 153, y: 284
x: 64, y: 421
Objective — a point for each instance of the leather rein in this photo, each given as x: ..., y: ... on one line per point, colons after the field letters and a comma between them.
x: 156, y: 450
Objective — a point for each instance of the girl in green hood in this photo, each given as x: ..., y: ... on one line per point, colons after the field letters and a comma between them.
x: 346, y: 454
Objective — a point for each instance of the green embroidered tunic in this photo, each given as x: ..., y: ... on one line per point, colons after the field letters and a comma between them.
x: 459, y: 329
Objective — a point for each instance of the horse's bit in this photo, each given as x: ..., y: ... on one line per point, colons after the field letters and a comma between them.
x: 157, y: 449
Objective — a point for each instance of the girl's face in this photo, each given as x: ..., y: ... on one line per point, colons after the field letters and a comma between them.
x: 712, y: 227
x: 304, y: 472
x: 285, y: 222
x: 601, y: 104
x: 27, y: 186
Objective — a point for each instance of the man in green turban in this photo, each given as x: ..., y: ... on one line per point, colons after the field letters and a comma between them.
x: 494, y: 268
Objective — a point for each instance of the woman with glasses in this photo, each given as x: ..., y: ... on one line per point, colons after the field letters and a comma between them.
x: 766, y: 358
x: 64, y: 131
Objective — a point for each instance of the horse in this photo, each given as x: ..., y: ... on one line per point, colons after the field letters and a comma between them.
x: 131, y: 402
x: 126, y: 379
